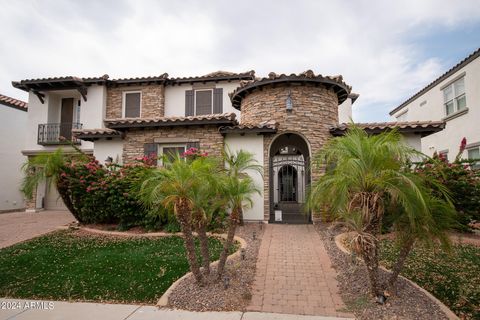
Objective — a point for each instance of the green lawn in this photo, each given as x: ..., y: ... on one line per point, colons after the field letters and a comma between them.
x: 453, y: 278
x: 65, y: 265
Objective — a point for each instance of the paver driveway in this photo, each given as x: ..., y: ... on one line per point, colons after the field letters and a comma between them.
x: 20, y: 226
x: 294, y: 274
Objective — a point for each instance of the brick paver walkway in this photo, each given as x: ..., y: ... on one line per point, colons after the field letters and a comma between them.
x: 20, y: 226
x: 294, y: 274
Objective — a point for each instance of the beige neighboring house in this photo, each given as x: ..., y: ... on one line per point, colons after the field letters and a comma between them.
x: 282, y: 119
x: 13, y: 118
x: 454, y: 97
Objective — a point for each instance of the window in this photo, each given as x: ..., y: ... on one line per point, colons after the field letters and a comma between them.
x: 203, y: 102
x: 402, y: 116
x: 132, y: 104
x: 454, y: 97
x: 474, y: 154
x: 170, y: 151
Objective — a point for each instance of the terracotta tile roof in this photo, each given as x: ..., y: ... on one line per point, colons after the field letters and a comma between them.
x: 14, y: 103
x: 92, y: 134
x: 454, y: 69
x: 336, y: 82
x: 262, y: 127
x: 54, y: 83
x: 424, y: 128
x: 216, y: 119
x: 215, y: 76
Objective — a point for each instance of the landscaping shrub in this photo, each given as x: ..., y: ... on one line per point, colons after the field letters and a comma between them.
x: 461, y: 180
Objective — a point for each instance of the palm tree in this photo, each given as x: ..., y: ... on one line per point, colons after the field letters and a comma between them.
x: 238, y: 164
x: 206, y: 201
x: 237, y: 187
x: 176, y: 186
x: 366, y: 175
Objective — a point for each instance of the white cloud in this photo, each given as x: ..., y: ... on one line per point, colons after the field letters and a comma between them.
x: 375, y: 45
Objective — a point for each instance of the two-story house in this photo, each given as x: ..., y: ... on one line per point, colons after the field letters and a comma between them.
x: 282, y: 119
x: 13, y: 118
x: 454, y: 97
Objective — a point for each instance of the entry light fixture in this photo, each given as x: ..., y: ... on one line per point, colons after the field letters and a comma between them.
x: 289, y: 101
x: 109, y: 160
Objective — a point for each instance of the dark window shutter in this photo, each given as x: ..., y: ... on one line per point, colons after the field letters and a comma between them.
x: 189, y: 103
x: 193, y: 144
x: 218, y: 100
x: 150, y: 149
x: 132, y: 105
x: 203, y: 102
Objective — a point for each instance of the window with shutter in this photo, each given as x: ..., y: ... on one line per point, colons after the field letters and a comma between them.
x: 132, y: 104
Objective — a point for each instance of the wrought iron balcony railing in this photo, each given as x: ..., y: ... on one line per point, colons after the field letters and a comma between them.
x: 57, y: 133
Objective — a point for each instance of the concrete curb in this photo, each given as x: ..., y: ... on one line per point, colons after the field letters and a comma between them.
x: 163, y: 302
x: 449, y: 313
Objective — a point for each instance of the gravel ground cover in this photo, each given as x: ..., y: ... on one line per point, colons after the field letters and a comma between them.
x: 215, y: 296
x: 406, y: 303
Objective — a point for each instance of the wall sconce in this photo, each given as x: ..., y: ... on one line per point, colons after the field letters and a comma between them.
x: 109, y: 160
x: 289, y: 101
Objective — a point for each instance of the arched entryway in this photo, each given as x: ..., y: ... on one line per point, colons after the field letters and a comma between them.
x: 289, y: 178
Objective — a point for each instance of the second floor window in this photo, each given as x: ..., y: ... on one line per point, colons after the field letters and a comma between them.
x: 454, y: 97
x: 203, y: 101
x: 132, y: 101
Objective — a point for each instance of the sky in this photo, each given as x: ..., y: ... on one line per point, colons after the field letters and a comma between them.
x: 386, y: 50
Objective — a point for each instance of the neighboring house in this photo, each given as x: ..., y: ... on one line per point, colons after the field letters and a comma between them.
x: 454, y: 98
x: 13, y: 117
x: 282, y: 119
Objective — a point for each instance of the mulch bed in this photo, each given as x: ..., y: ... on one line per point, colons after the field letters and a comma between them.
x: 407, y: 302
x: 214, y: 296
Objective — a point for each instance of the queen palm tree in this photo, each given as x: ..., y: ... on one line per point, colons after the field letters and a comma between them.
x: 237, y: 187
x: 365, y: 175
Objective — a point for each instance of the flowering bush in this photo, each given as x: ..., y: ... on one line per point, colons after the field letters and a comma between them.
x: 193, y: 153
x: 103, y: 194
x: 462, y: 181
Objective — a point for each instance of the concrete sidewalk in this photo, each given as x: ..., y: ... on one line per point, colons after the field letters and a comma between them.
x: 45, y: 310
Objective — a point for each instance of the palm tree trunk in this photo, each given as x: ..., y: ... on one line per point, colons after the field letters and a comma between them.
x: 202, y: 235
x: 370, y: 257
x: 402, y: 257
x: 182, y: 212
x: 234, y: 218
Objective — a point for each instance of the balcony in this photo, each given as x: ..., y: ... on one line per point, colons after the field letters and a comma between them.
x: 57, y: 133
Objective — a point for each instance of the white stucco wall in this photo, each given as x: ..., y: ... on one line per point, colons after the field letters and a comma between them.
x: 433, y: 109
x: 12, y: 136
x: 254, y: 144
x: 108, y: 148
x: 345, y: 111
x: 175, y: 98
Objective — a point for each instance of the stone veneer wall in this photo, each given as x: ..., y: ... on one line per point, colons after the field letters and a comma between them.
x: 315, y: 110
x: 210, y: 139
x: 152, y: 106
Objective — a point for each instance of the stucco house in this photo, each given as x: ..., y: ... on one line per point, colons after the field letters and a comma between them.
x: 13, y: 118
x: 454, y: 97
x: 282, y: 119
